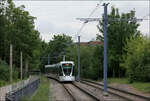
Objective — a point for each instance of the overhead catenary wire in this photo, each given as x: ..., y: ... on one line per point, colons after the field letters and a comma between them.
x: 79, y: 41
x: 84, y: 37
x: 84, y: 23
x: 97, y: 6
x: 146, y: 16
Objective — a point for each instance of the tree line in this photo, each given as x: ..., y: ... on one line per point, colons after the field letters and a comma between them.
x: 17, y: 28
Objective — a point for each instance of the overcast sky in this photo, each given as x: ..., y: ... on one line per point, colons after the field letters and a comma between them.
x: 57, y: 17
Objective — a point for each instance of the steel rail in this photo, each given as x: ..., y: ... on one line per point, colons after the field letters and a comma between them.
x: 119, y: 90
x: 74, y: 99
x: 107, y: 91
x: 81, y: 89
x: 69, y: 92
x: 86, y: 92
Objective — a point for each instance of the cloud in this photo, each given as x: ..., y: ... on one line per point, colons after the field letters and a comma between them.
x: 56, y: 17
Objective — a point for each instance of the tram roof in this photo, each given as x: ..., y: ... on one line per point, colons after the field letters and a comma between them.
x: 66, y: 62
x: 61, y: 62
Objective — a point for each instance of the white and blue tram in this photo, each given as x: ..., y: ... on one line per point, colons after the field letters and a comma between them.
x: 62, y: 71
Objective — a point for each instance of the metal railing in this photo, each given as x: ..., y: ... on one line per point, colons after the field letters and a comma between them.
x: 25, y: 91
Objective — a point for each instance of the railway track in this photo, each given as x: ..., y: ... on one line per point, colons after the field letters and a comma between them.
x: 91, y: 91
x: 69, y: 92
x: 77, y: 93
x: 117, y: 92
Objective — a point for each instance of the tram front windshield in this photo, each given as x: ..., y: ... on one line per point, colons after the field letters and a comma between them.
x: 67, y: 67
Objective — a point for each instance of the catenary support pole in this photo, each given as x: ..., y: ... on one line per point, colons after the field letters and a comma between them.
x: 48, y: 59
x: 78, y: 58
x: 10, y: 63
x: 21, y: 65
x: 26, y: 68
x: 149, y: 20
x: 64, y: 57
x: 105, y: 47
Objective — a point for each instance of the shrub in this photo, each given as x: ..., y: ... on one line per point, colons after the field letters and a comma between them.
x: 137, y: 59
x: 4, y: 71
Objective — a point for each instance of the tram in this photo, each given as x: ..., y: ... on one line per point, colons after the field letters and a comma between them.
x: 62, y: 71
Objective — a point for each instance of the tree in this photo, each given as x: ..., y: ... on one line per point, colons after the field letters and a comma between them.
x: 117, y: 33
x: 137, y: 59
x: 2, y: 30
x: 56, y: 48
x: 89, y: 60
x: 17, y: 28
x: 97, y: 62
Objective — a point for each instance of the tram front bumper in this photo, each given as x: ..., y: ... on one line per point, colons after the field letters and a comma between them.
x: 66, y: 78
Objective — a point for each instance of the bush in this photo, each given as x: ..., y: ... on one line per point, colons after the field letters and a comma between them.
x: 86, y: 56
x: 137, y: 59
x: 97, y: 62
x: 4, y: 71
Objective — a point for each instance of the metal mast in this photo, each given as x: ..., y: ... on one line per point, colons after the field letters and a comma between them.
x: 105, y: 47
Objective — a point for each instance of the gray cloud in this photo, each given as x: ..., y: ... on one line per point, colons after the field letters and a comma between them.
x: 55, y: 17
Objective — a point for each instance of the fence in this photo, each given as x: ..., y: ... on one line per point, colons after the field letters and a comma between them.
x: 26, y: 91
x: 15, y: 91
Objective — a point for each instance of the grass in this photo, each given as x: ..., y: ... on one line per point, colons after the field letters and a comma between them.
x: 5, y: 83
x: 118, y: 80
x: 144, y: 87
x: 140, y: 86
x: 42, y: 92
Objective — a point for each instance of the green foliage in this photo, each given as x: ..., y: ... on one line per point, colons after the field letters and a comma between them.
x: 118, y: 80
x: 86, y: 58
x: 137, y: 59
x: 4, y: 72
x: 56, y: 48
x: 17, y: 28
x: 117, y: 33
x: 72, y: 55
x: 140, y: 86
x: 97, y: 62
x: 42, y: 93
x: 91, y: 60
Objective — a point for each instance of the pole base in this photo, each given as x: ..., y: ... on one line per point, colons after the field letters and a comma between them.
x: 105, y: 94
